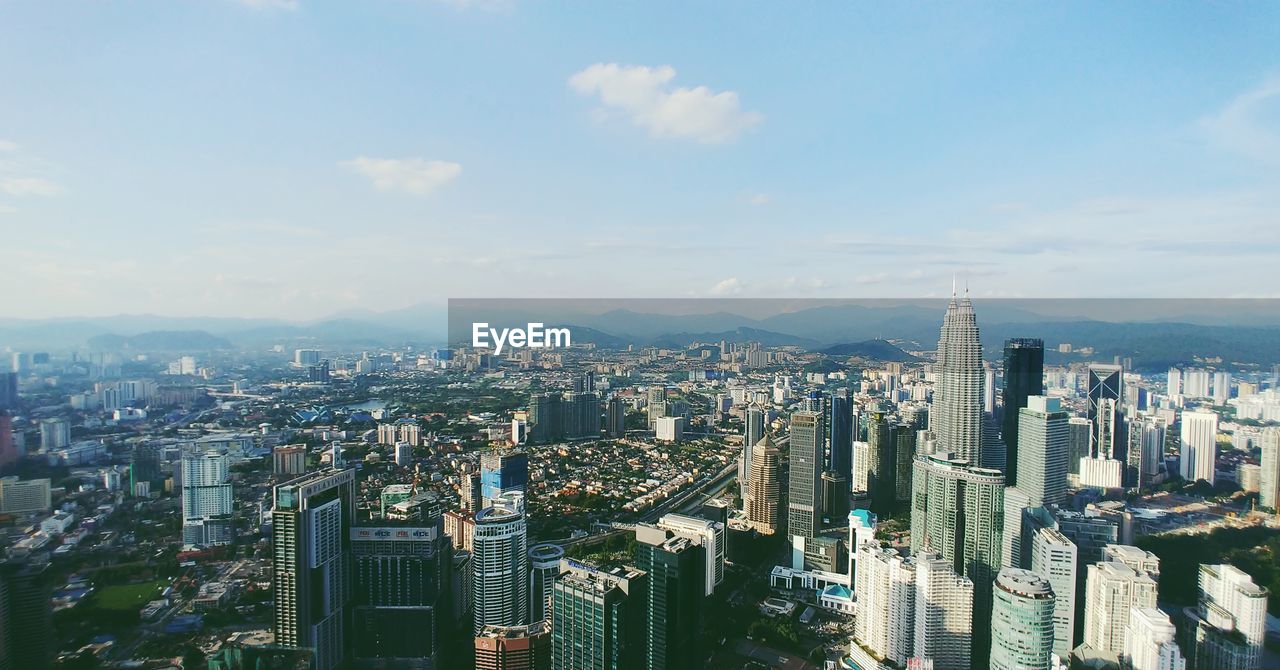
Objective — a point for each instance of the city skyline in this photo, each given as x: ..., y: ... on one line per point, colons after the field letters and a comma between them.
x: 437, y: 137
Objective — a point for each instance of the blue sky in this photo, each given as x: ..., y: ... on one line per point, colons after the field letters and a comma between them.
x: 297, y: 159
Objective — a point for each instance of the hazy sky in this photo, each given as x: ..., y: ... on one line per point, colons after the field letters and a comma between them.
x: 298, y: 158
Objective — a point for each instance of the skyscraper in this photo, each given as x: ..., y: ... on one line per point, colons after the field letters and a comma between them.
x: 1269, y: 487
x: 544, y: 567
x: 1112, y: 589
x: 957, y: 511
x: 598, y: 618
x: 753, y: 431
x: 1079, y: 435
x: 500, y: 565
x: 957, y: 403
x: 1199, y: 446
x: 401, y: 574
x: 677, y: 576
x: 1150, y: 643
x: 882, y: 464
x: 1228, y: 626
x: 1023, y: 378
x: 502, y: 473
x: 840, y: 434
x: 1106, y: 398
x: 616, y: 417
x: 804, y: 505
x: 524, y: 647
x: 944, y: 614
x: 710, y: 535
x: 206, y: 500
x: 763, y: 499
x: 1042, y: 452
x: 1053, y: 557
x: 1146, y: 450
x: 1022, y: 621
x: 311, y: 565
x: 884, y: 619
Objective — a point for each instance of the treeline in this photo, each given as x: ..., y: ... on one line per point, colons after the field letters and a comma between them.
x: 1253, y: 550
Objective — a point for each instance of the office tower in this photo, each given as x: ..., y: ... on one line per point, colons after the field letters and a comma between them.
x: 669, y: 429
x: 1022, y: 621
x: 840, y: 460
x: 656, y: 397
x: 762, y: 501
x: 753, y: 430
x: 882, y: 464
x: 471, y: 497
x: 804, y: 507
x: 401, y: 576
x: 523, y: 647
x: 988, y: 389
x: 884, y: 616
x: 1146, y: 451
x: 500, y: 565
x: 25, y: 610
x: 1053, y: 557
x: 54, y: 434
x: 544, y: 567
x: 289, y: 460
x: 710, y: 535
x: 957, y: 401
x: 1042, y: 454
x: 8, y: 390
x: 957, y: 511
x: 1221, y: 387
x: 616, y: 417
x: 677, y: 578
x: 305, y: 357
x: 1150, y: 642
x: 8, y: 450
x: 461, y: 528
x: 1227, y: 628
x: 1079, y: 435
x: 904, y: 458
x: 502, y: 473
x: 25, y: 496
x: 1199, y: 446
x: 598, y: 618
x: 1269, y: 477
x: 1023, y: 378
x: 581, y: 415
x: 207, y: 504
x: 1012, y: 552
x: 862, y: 529
x: 835, y: 496
x: 310, y: 563
x: 944, y: 614
x: 1105, y: 382
x: 861, y: 467
x: 1112, y: 589
x: 1173, y: 387
x: 144, y: 465
x: 546, y: 418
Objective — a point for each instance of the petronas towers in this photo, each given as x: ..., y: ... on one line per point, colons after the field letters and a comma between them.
x: 958, y: 402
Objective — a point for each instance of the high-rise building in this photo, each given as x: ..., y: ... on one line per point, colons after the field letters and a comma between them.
x: 957, y: 402
x: 1014, y: 551
x: 840, y: 435
x: 8, y: 449
x: 402, y: 576
x: 804, y: 506
x: 546, y: 418
x: 835, y: 496
x: 500, y: 565
x: 502, y: 473
x: 944, y: 614
x: 1042, y: 452
x: 1146, y: 451
x: 598, y: 618
x: 1221, y: 387
x: 26, y: 614
x: 1227, y: 628
x: 290, y: 460
x: 207, y: 504
x: 884, y: 616
x: 25, y: 496
x: 1199, y: 446
x: 763, y: 498
x: 544, y: 567
x: 676, y: 567
x: 1269, y: 477
x: 1079, y: 435
x: 1053, y: 557
x: 1112, y: 589
x: 471, y: 495
x: 54, y: 434
x: 1105, y: 389
x: 8, y: 390
x: 1022, y: 621
x: 311, y: 566
x: 616, y: 417
x: 753, y: 432
x: 957, y: 511
x: 1150, y: 642
x: 710, y: 535
x: 656, y: 400
x: 524, y: 647
x: 882, y: 464
x: 303, y: 358
x: 1023, y: 378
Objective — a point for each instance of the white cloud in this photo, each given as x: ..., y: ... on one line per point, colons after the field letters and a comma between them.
x: 646, y: 96
x: 412, y: 175
x: 20, y: 186
x: 730, y: 286
x: 6, y: 145
x: 759, y: 199
x: 1242, y: 125
x: 288, y: 5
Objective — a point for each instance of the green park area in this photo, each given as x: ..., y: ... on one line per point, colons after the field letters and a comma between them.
x: 128, y: 597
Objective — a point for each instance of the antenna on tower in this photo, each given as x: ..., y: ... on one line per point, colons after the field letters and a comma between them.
x: 953, y: 284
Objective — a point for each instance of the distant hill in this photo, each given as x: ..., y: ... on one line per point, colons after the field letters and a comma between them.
x: 878, y: 350
x: 160, y: 340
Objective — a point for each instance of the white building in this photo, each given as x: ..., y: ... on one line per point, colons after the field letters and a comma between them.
x: 24, y: 496
x: 1042, y: 450
x: 1229, y: 600
x: 1269, y: 476
x: 1112, y: 590
x: 669, y: 428
x: 1053, y: 557
x: 944, y: 614
x: 206, y: 499
x: 1199, y: 446
x: 710, y: 535
x: 500, y: 565
x: 1150, y: 642
x: 886, y: 592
